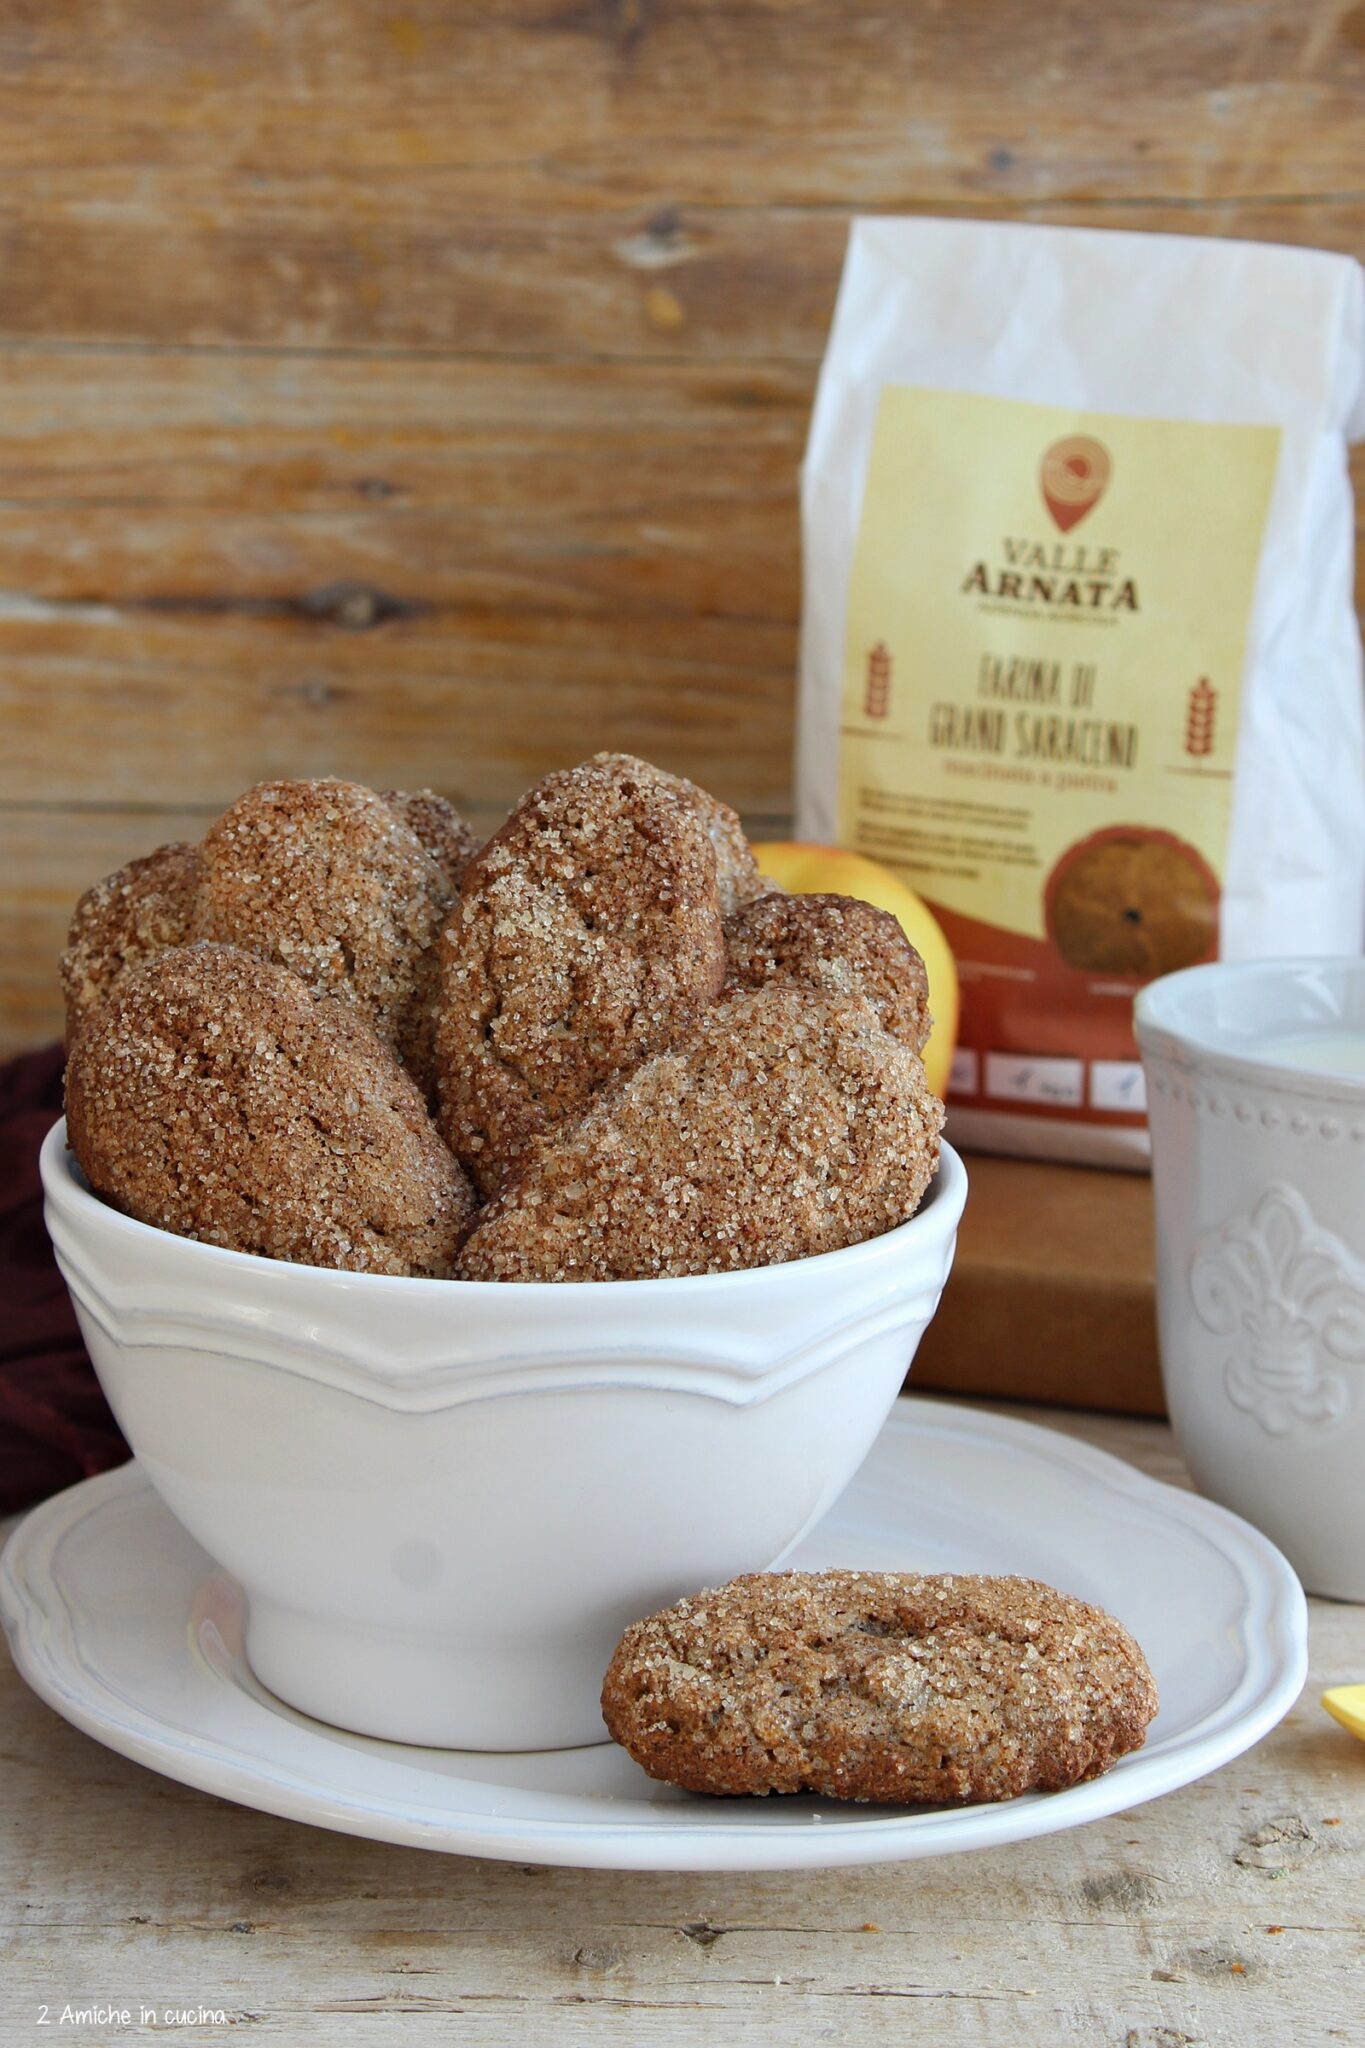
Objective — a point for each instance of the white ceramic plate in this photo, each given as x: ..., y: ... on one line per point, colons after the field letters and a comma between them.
x: 120, y: 1622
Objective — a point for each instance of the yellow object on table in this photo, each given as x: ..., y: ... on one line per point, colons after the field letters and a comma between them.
x: 1346, y: 1703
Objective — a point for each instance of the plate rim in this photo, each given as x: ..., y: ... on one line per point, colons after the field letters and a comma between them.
x: 34, y: 1612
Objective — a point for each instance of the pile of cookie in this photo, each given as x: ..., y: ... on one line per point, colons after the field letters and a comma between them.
x: 341, y: 1032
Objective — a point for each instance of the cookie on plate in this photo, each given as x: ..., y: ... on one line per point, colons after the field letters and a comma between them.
x: 212, y: 1095
x: 587, y: 935
x: 785, y: 1123
x: 887, y: 1686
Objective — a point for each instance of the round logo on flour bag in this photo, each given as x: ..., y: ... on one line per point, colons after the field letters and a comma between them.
x: 1073, y: 478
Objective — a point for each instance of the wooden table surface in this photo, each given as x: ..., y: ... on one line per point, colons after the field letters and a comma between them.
x: 1230, y: 1914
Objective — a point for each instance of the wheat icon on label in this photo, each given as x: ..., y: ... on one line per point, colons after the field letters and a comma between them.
x: 877, y: 696
x: 1200, y: 718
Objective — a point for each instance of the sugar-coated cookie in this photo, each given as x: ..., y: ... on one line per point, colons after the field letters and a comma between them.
x: 886, y: 1686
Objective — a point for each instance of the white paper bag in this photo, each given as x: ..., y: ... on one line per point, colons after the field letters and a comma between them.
x: 1079, y: 658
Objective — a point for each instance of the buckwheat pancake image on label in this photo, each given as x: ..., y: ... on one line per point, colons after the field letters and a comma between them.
x: 1132, y: 902
x: 1077, y: 626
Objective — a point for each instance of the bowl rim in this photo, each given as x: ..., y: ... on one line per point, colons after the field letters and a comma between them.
x: 67, y: 1193
x: 1165, y: 1029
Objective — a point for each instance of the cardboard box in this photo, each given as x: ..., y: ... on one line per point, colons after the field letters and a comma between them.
x: 1051, y: 1297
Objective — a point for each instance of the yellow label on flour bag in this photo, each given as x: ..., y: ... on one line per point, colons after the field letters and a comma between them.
x: 1033, y: 649
x: 1043, y: 661
x: 1028, y: 661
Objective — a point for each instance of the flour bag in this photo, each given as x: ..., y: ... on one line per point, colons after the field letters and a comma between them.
x: 1079, y: 659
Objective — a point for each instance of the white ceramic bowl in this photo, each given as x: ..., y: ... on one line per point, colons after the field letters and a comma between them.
x: 1259, y: 1170
x: 446, y: 1499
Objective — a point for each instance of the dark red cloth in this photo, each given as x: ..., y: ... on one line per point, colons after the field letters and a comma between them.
x: 55, y: 1426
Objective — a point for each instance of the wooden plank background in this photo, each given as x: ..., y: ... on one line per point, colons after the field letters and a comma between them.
x: 416, y: 392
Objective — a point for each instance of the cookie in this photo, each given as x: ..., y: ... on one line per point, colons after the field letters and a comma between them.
x: 211, y: 1095
x: 737, y: 875
x: 325, y: 878
x: 882, y: 1686
x: 834, y: 943
x: 587, y: 935
x: 786, y: 1123
x: 450, y: 840
x: 129, y: 917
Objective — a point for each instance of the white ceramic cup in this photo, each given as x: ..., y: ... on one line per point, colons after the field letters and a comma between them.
x: 1259, y: 1170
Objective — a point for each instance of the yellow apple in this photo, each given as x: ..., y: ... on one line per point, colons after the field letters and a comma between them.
x: 807, y: 870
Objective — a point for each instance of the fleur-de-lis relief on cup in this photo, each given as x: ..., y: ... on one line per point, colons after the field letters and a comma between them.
x: 1290, y: 1301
